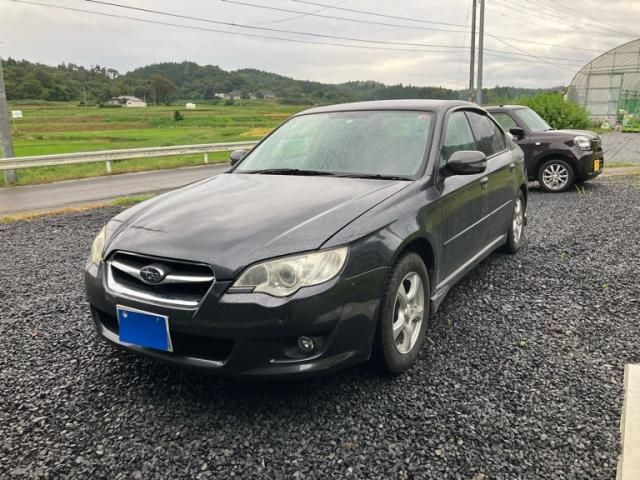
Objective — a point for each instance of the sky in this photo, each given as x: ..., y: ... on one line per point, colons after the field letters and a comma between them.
x: 530, y: 43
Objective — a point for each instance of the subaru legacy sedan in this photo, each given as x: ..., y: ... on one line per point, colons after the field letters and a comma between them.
x: 328, y: 244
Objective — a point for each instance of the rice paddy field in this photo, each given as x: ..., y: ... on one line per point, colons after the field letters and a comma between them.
x: 66, y: 128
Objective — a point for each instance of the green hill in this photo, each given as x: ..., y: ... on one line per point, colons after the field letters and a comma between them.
x: 167, y: 82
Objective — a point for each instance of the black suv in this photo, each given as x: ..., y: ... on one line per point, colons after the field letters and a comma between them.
x: 556, y: 158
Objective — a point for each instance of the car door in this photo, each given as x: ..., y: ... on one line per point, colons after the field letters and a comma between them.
x: 500, y: 187
x: 462, y: 199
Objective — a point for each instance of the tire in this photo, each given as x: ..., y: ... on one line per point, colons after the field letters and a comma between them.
x: 396, y: 353
x: 556, y: 176
x: 515, y: 234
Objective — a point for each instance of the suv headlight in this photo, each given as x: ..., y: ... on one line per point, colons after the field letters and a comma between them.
x: 582, y: 142
x: 285, y: 276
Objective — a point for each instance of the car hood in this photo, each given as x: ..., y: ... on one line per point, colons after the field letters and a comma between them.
x: 570, y: 133
x: 233, y: 220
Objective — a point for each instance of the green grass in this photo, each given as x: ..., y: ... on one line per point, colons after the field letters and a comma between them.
x: 67, y: 128
x: 132, y: 200
x: 620, y: 164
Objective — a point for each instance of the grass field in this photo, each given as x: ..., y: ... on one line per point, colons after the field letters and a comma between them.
x: 66, y: 128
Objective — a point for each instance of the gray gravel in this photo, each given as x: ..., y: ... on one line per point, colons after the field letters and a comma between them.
x: 521, y: 376
x: 621, y: 147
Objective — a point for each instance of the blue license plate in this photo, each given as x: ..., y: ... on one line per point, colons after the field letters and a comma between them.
x: 144, y: 329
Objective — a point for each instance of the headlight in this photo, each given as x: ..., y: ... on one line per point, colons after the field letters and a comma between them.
x: 582, y: 142
x: 285, y: 276
x: 97, y: 247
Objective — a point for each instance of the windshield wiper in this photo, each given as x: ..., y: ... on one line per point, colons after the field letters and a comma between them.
x: 375, y: 176
x: 289, y: 171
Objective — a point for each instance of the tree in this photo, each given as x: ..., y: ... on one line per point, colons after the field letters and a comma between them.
x: 557, y: 112
x: 161, y: 89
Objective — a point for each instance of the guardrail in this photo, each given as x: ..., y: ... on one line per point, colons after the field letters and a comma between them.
x: 108, y: 156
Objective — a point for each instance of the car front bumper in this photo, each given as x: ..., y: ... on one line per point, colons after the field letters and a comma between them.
x: 254, y: 335
x: 586, y: 163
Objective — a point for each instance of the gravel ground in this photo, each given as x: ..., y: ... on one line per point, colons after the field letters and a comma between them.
x: 522, y: 376
x: 621, y: 147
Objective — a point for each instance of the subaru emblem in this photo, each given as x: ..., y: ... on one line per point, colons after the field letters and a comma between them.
x: 152, y: 274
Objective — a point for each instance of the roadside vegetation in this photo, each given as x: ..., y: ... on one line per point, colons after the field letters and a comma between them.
x: 558, y: 112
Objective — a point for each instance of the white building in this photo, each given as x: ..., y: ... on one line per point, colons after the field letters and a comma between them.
x: 127, y: 101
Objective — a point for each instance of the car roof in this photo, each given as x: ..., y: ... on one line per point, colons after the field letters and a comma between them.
x: 426, y: 105
x: 504, y: 107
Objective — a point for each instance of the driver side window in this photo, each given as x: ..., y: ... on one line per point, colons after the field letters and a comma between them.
x: 458, y: 136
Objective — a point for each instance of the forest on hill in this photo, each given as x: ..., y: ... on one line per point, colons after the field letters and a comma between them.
x: 164, y: 83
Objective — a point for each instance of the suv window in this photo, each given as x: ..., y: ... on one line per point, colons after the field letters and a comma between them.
x: 505, y: 120
x: 489, y: 138
x: 458, y: 137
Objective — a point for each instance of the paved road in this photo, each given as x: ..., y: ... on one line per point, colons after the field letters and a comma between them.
x: 60, y: 194
x: 621, y: 147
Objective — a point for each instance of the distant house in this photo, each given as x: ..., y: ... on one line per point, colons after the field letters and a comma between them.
x: 268, y: 95
x: 127, y: 101
x: 190, y: 106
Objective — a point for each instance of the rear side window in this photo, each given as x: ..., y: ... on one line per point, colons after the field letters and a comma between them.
x: 489, y: 138
x: 458, y: 137
x: 505, y: 120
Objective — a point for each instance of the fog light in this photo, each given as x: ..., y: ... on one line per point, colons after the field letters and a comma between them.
x: 306, y: 344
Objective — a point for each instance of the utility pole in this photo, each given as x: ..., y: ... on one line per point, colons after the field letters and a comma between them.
x: 480, y: 54
x: 472, y: 62
x: 6, y: 143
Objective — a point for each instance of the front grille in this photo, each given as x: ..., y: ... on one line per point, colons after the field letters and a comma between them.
x: 182, y: 284
x: 196, y: 346
x: 596, y: 145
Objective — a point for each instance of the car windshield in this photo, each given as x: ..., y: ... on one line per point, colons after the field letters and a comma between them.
x: 532, y: 120
x: 362, y: 143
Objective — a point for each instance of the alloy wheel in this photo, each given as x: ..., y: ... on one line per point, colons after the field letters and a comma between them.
x: 518, y: 221
x: 408, y: 312
x: 555, y: 176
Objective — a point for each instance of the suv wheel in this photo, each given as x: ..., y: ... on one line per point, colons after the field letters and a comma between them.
x: 556, y: 176
x: 403, y: 316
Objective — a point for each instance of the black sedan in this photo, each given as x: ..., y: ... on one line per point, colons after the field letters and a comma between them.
x: 329, y: 243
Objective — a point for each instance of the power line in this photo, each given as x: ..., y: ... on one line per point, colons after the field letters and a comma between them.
x: 570, y: 13
x: 600, y: 28
x: 443, y: 49
x: 465, y: 27
x: 333, y: 17
x: 320, y: 35
x: 296, y: 17
x: 275, y: 30
x: 241, y: 34
x: 534, y: 56
x: 365, y: 12
x: 377, y: 14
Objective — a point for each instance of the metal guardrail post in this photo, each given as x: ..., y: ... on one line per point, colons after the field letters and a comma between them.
x: 108, y: 166
x: 206, y: 157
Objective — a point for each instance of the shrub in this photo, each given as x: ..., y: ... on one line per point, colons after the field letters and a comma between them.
x: 558, y: 112
x: 177, y: 116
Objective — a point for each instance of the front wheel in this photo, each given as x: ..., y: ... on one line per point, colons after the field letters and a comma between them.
x: 516, y: 227
x: 556, y: 176
x: 403, y: 315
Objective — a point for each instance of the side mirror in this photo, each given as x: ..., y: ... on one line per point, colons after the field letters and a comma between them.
x: 467, y: 162
x: 518, y: 133
x: 237, y: 155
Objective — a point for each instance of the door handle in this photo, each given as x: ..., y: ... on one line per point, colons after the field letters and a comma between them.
x: 512, y: 166
x: 483, y: 182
